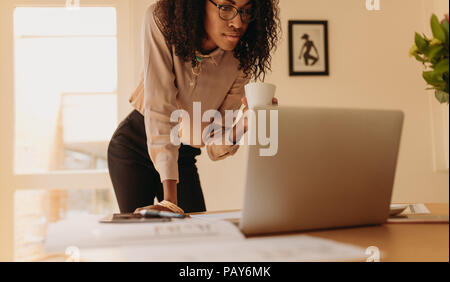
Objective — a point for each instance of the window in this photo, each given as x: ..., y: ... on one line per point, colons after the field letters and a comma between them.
x: 66, y: 85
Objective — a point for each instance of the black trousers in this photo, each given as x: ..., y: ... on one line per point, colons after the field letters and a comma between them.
x: 134, y: 177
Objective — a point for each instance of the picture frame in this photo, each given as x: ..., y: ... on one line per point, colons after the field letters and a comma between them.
x: 308, y: 48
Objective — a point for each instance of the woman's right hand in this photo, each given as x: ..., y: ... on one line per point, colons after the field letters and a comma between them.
x: 153, y: 207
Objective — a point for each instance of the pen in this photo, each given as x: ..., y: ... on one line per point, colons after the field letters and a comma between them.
x: 154, y: 213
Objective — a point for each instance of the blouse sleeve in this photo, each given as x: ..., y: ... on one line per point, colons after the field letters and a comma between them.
x: 160, y: 94
x: 232, y: 101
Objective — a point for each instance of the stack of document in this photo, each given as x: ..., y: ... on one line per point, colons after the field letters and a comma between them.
x: 188, y: 240
x: 85, y: 231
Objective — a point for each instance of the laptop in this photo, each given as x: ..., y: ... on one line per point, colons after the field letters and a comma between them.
x: 333, y: 168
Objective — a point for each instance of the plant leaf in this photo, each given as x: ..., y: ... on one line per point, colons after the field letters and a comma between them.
x: 438, y: 31
x: 434, y: 79
x: 441, y: 67
x: 441, y: 96
x: 430, y: 77
x: 433, y: 51
x: 419, y: 58
x: 421, y: 43
x: 445, y: 27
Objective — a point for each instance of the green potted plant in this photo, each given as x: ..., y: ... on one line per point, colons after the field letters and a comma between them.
x: 433, y: 54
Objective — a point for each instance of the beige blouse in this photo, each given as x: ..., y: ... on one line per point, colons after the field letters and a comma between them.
x: 169, y: 83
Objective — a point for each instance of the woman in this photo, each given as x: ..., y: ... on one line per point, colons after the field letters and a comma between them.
x: 194, y: 51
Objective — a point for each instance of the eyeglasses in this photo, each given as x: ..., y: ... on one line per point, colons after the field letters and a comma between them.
x: 228, y: 12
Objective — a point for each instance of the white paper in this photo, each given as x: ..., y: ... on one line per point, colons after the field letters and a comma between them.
x: 84, y: 231
x: 418, y: 209
x: 219, y: 216
x: 193, y: 239
x: 293, y: 248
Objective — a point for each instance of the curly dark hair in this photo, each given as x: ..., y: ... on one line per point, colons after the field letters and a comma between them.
x: 182, y: 23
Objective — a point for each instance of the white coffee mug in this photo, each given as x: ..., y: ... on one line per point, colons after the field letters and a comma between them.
x: 259, y: 94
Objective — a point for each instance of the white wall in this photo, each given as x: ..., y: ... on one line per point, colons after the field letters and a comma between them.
x: 369, y: 68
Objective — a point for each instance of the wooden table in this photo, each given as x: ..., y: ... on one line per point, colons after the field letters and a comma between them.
x: 398, y: 242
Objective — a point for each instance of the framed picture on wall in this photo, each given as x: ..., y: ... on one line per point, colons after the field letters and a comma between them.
x: 308, y: 48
